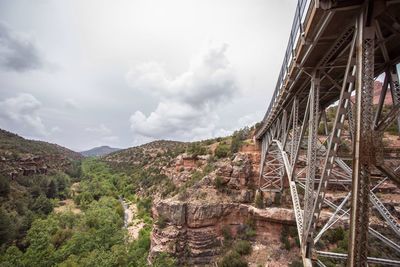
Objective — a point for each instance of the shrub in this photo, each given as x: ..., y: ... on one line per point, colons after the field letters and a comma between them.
x: 243, y: 247
x: 297, y: 240
x: 208, y: 168
x: 196, y: 176
x: 144, y: 206
x: 164, y: 260
x: 343, y: 244
x: 168, y: 188
x: 161, y: 222
x: 250, y: 233
x: 259, y: 202
x: 235, y: 144
x: 335, y: 235
x: 232, y: 259
x: 196, y: 149
x: 286, y: 244
x: 392, y: 128
x: 84, y: 199
x: 222, y: 150
x: 247, y: 230
x: 218, y: 183
x: 226, y: 233
x: 292, y: 231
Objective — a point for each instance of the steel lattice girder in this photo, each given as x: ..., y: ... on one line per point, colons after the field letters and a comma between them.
x: 357, y: 43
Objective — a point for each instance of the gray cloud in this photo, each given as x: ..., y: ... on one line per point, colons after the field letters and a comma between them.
x: 70, y: 103
x: 17, y: 52
x: 93, y: 49
x: 21, y: 113
x: 187, y: 102
x: 99, y: 130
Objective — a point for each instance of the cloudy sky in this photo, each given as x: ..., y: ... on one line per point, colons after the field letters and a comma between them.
x: 120, y: 73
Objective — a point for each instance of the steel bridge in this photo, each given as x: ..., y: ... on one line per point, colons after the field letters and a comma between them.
x: 336, y: 51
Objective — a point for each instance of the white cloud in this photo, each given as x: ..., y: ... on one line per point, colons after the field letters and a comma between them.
x: 187, y: 102
x: 21, y: 113
x: 100, y: 130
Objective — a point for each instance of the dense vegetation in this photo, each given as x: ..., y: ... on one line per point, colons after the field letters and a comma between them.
x: 93, y: 237
x: 226, y: 146
x: 26, y: 199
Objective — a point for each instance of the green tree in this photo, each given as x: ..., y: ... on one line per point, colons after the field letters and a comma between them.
x: 63, y: 182
x: 164, y: 260
x: 6, y: 227
x: 42, y: 205
x: 12, y: 257
x: 51, y: 189
x: 235, y: 144
x: 4, y: 186
x: 41, y: 251
x: 84, y: 199
x: 75, y: 170
x: 233, y: 259
x: 222, y: 150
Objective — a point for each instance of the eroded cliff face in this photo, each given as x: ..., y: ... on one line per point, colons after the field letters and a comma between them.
x: 193, y: 227
x: 194, y: 231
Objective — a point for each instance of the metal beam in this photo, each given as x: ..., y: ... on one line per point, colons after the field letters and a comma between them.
x: 362, y: 144
x: 311, y: 163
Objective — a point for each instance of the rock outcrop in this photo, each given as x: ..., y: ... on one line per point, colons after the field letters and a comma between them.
x: 194, y: 231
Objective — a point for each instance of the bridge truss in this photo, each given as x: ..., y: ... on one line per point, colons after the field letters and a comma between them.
x: 336, y: 51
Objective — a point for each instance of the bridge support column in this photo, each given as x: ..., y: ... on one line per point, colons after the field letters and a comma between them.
x: 362, y: 144
x: 313, y: 122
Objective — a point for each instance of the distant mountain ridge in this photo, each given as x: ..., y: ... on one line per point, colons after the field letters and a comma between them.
x: 99, y: 151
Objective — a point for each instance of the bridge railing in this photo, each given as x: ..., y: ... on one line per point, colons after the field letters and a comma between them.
x: 295, y: 36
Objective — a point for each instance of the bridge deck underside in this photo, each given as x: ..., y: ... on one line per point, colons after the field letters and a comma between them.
x: 327, y: 35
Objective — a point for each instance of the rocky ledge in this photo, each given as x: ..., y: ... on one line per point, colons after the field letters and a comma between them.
x: 193, y: 232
